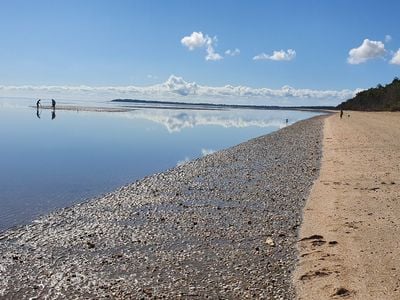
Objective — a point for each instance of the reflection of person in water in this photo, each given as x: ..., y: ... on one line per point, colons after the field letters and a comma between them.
x: 53, y: 114
x: 37, y: 108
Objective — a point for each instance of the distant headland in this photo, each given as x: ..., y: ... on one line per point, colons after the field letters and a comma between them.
x: 206, y: 106
x: 380, y: 98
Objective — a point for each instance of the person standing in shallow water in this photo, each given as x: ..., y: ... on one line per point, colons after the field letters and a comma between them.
x: 53, y: 104
x: 37, y: 108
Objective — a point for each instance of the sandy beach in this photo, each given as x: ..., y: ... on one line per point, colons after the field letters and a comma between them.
x: 349, y: 246
x: 227, y: 225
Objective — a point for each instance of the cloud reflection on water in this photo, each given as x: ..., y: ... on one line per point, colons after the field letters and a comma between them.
x: 176, y: 121
x: 205, y: 152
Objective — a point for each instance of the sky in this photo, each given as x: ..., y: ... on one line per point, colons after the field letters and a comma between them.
x: 268, y: 52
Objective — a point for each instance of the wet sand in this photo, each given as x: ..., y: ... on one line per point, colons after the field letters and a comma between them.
x: 349, y: 245
x: 223, y: 226
x: 85, y: 108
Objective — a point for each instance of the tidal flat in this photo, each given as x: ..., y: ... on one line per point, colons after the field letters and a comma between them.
x: 221, y: 226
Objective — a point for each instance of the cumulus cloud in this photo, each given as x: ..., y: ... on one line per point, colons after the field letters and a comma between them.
x: 277, y: 55
x: 178, y: 85
x: 199, y: 40
x: 211, y: 54
x: 195, y: 40
x: 367, y: 51
x: 234, y: 52
x: 177, y: 89
x: 396, y: 58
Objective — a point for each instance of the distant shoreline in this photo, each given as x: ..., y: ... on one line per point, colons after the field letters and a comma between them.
x: 144, y: 104
x: 225, y: 106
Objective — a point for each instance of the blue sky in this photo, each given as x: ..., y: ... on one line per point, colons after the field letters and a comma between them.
x: 139, y: 43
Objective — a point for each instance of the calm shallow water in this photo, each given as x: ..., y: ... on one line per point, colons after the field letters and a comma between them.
x: 48, y: 163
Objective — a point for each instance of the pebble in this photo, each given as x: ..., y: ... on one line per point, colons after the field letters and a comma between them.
x: 270, y: 242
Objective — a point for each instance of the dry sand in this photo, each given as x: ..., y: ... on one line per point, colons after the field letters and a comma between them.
x: 349, y: 240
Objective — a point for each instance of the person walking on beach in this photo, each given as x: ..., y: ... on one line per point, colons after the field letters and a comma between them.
x: 341, y: 113
x: 53, y: 104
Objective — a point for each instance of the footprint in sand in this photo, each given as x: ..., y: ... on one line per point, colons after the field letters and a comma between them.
x: 313, y: 274
x: 342, y: 292
x: 312, y: 237
x: 316, y: 240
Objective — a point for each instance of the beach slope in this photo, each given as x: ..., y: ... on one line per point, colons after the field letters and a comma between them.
x: 349, y: 244
x: 222, y: 227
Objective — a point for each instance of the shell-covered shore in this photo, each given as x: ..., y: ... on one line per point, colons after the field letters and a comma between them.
x: 222, y: 226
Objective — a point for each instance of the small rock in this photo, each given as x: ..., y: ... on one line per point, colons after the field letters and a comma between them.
x: 269, y: 241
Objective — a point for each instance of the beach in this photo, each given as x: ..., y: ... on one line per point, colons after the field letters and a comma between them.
x: 349, y: 245
x: 307, y: 212
x: 221, y: 226
x: 208, y: 150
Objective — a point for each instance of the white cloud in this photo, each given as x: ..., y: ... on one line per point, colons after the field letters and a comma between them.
x: 261, y: 56
x: 368, y: 50
x: 232, y: 52
x: 177, y: 89
x: 396, y: 58
x: 195, y: 40
x: 179, y: 86
x: 199, y: 40
x: 388, y: 38
x: 277, y: 55
x: 212, y: 55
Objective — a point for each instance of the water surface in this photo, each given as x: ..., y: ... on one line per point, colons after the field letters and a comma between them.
x: 52, y: 160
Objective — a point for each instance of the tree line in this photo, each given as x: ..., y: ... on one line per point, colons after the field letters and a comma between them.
x: 380, y: 98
